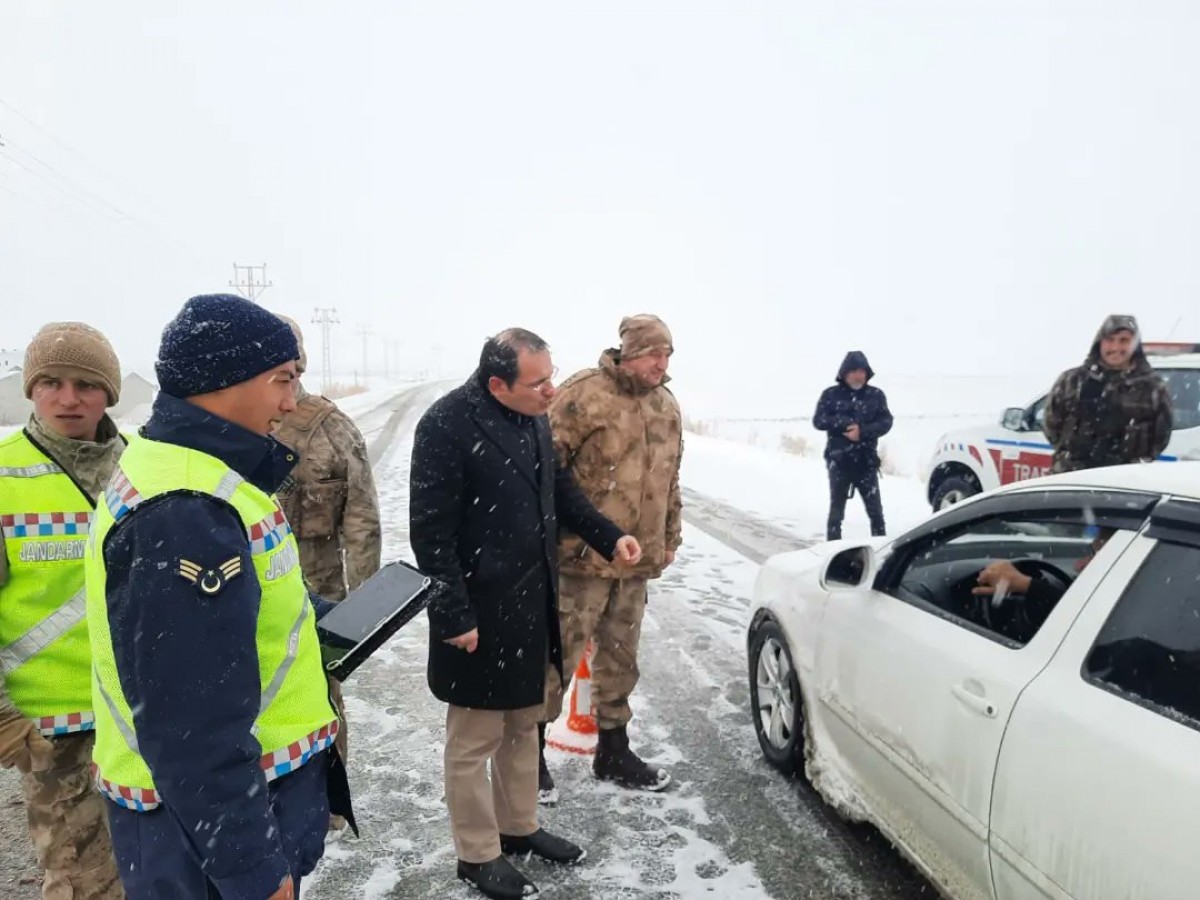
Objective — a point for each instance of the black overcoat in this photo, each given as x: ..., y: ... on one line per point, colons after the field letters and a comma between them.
x: 486, y: 498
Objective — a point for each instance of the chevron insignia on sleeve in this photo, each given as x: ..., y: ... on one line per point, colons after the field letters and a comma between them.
x: 210, y: 581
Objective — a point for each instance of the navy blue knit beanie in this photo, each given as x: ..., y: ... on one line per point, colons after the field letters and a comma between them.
x: 219, y: 340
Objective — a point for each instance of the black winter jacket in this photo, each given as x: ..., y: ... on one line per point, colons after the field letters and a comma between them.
x: 841, y: 406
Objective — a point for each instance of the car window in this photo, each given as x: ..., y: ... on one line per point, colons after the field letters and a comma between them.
x: 941, y: 572
x: 1149, y: 649
x: 1184, y: 387
x: 1037, y: 414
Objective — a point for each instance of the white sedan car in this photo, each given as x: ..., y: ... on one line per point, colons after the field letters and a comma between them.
x: 1043, y: 741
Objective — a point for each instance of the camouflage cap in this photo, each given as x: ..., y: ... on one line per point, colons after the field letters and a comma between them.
x: 1115, y: 323
x: 302, y: 362
x: 644, y: 334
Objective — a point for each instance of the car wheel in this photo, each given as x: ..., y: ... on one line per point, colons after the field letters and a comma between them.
x: 775, y: 700
x: 954, y: 489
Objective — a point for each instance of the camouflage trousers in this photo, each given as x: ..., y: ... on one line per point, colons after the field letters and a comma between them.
x: 610, y: 612
x: 324, y: 567
x: 68, y: 825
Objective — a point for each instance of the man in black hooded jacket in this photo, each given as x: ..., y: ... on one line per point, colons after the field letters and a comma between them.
x: 855, y: 416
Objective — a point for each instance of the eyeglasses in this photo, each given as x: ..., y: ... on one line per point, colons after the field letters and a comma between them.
x: 541, y: 383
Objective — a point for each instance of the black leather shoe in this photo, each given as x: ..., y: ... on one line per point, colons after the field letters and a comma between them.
x: 498, y: 878
x: 544, y: 844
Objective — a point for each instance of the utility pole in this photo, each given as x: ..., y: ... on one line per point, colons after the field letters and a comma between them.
x: 248, y: 286
x: 364, y: 332
x: 390, y: 346
x: 326, y: 317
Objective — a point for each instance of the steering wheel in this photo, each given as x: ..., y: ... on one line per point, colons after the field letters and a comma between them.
x: 1012, y: 619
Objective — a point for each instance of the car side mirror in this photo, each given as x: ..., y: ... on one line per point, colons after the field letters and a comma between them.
x: 1013, y: 419
x: 849, y: 568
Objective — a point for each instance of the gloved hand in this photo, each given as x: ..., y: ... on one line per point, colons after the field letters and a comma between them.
x: 22, y: 745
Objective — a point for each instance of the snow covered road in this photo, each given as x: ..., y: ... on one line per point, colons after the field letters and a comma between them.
x: 731, y: 827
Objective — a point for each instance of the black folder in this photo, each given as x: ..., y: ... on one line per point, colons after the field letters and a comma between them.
x: 370, y: 614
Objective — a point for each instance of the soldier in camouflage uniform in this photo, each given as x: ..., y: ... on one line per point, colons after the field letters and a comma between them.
x: 619, y: 430
x: 1113, y: 409
x: 330, y: 499
x: 54, y: 470
x: 331, y: 504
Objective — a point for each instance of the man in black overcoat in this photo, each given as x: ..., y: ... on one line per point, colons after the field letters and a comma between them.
x: 487, y: 498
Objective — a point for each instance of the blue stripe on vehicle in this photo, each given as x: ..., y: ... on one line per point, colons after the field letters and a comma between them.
x: 1035, y: 445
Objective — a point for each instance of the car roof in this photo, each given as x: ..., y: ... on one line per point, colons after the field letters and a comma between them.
x: 1179, y: 479
x: 1175, y: 361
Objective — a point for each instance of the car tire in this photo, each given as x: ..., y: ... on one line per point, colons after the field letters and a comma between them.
x: 954, y: 489
x: 776, y: 704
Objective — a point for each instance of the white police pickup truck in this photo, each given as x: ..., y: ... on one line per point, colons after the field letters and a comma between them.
x: 970, y: 460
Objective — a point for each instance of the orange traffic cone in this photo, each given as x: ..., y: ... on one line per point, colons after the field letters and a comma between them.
x: 578, y: 733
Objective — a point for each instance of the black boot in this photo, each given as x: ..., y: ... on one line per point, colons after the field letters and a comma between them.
x: 499, y: 879
x: 549, y: 847
x: 617, y: 763
x: 547, y: 792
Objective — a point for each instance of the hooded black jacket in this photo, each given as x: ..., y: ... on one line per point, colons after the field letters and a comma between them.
x: 841, y: 406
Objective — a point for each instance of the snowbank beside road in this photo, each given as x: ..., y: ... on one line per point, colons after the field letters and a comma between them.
x: 791, y: 490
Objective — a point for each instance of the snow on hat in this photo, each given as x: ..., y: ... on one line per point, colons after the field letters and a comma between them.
x: 643, y: 334
x: 219, y: 340
x: 73, y: 345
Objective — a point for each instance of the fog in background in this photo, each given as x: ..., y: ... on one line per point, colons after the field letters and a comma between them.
x: 956, y: 189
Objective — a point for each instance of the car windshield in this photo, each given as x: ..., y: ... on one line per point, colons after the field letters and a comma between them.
x: 1184, y: 385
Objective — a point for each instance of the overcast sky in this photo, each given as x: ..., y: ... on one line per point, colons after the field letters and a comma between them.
x: 952, y: 187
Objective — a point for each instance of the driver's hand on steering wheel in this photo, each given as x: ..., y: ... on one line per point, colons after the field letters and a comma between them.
x: 1002, y: 578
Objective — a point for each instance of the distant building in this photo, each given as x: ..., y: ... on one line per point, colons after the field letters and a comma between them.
x: 11, y: 359
x: 137, y: 396
x: 14, y: 408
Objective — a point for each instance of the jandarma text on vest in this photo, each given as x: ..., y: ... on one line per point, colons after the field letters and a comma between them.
x: 52, y: 551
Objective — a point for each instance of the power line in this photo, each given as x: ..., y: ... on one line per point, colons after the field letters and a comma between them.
x: 249, y: 288
x: 364, y: 332
x: 70, y: 181
x: 82, y: 201
x: 184, y: 248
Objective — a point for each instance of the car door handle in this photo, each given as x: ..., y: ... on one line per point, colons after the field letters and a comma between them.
x: 974, y: 701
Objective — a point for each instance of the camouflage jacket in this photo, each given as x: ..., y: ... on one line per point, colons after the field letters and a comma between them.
x: 1096, y: 416
x: 623, y: 443
x: 89, y: 463
x: 330, y: 499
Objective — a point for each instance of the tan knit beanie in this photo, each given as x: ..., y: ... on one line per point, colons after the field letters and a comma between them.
x: 644, y: 334
x: 302, y: 362
x: 73, y: 345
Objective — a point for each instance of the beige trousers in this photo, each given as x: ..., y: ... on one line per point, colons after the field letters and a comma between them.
x: 480, y: 812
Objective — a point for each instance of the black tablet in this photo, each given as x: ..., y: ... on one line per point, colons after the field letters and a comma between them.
x: 372, y: 613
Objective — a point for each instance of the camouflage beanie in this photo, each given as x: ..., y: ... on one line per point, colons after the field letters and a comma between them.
x: 75, y: 346
x: 302, y: 362
x: 643, y: 334
x: 1115, y: 323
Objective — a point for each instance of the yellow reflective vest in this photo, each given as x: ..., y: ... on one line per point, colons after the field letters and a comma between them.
x: 295, y: 720
x: 44, y: 650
